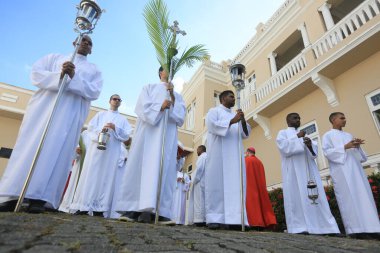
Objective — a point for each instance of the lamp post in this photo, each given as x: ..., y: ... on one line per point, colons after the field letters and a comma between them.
x: 238, y: 76
x: 88, y: 15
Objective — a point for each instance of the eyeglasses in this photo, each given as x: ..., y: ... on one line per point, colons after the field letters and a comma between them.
x: 117, y: 99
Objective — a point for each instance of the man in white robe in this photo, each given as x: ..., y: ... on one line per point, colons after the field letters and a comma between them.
x: 74, y: 175
x: 351, y: 186
x: 138, y: 190
x: 222, y: 175
x: 54, y: 163
x: 95, y: 188
x: 298, y: 155
x: 182, y: 186
x: 198, y: 186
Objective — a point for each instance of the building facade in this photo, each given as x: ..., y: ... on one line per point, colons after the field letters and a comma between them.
x: 313, y: 57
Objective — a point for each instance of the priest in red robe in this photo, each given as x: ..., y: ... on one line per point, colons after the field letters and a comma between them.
x: 259, y: 208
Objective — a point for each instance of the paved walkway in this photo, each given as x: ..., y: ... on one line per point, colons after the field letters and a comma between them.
x: 56, y: 232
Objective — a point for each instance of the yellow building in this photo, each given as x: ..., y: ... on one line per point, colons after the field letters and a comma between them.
x: 310, y: 57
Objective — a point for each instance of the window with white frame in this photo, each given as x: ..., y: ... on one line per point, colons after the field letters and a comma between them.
x: 216, y: 98
x: 312, y: 132
x: 190, y: 168
x: 373, y: 101
x: 249, y: 88
x: 252, y: 83
x: 190, y: 117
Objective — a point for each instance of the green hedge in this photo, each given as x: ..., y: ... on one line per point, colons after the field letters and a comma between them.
x: 276, y: 197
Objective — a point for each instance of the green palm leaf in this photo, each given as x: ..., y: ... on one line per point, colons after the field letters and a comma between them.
x: 156, y: 17
x: 190, y: 56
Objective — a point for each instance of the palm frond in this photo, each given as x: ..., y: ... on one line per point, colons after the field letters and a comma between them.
x: 156, y: 17
x: 190, y: 56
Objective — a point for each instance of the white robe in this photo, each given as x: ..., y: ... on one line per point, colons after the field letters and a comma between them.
x: 199, y: 189
x: 119, y: 172
x: 74, y: 178
x: 139, y: 183
x: 95, y: 187
x: 301, y: 215
x: 351, y: 186
x: 179, y: 198
x: 222, y: 175
x: 54, y: 164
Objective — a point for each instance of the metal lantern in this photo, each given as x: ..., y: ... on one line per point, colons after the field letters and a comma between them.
x: 88, y: 15
x: 312, y: 191
x: 102, y: 140
x: 238, y: 76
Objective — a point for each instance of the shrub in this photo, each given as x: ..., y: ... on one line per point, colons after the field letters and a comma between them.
x: 276, y: 197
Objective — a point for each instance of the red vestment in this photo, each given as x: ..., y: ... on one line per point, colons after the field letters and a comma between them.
x: 259, y: 208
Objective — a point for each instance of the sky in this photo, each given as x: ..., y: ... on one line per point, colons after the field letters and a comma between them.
x: 121, y: 46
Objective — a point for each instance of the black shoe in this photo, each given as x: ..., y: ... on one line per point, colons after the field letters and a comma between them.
x: 165, y: 221
x: 81, y: 213
x: 365, y: 236
x: 8, y: 206
x: 98, y: 214
x: 213, y: 226
x: 145, y: 217
x: 36, y: 206
x: 200, y: 224
x: 255, y: 228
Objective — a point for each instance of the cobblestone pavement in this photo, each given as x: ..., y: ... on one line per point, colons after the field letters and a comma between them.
x: 56, y: 232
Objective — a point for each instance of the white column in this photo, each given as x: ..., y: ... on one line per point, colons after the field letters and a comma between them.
x: 272, y: 61
x: 305, y: 37
x: 327, y: 17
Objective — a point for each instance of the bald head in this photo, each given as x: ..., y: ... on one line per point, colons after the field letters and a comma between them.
x: 85, y: 47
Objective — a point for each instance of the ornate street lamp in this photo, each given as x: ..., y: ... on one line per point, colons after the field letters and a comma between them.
x: 87, y: 16
x: 238, y: 76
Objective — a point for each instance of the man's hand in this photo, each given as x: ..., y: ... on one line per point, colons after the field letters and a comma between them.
x: 307, y: 141
x: 171, y: 92
x: 239, y: 116
x: 109, y: 125
x: 68, y: 68
x: 166, y: 105
x: 301, y: 134
x: 355, y: 143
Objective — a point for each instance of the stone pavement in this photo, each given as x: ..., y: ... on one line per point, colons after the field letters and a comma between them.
x: 57, y: 232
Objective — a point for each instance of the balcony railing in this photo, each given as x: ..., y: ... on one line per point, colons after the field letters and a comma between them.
x: 288, y: 71
x: 245, y: 104
x: 344, y: 28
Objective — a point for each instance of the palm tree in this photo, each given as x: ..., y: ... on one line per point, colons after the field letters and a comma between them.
x: 165, y: 41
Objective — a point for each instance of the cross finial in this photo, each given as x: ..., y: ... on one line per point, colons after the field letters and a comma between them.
x: 175, y: 29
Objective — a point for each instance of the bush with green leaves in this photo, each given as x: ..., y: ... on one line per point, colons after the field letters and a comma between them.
x: 276, y: 197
